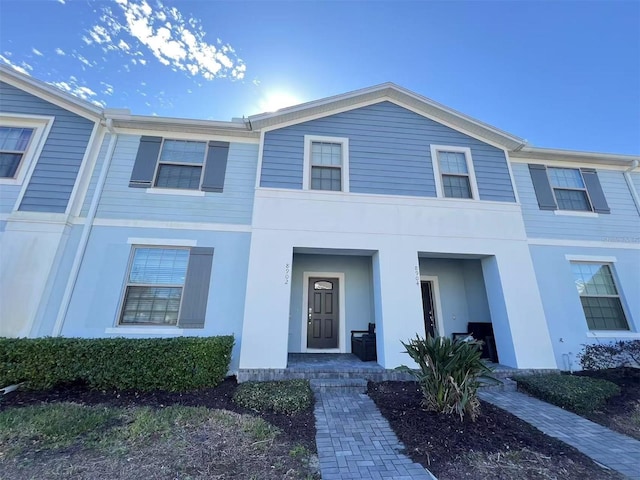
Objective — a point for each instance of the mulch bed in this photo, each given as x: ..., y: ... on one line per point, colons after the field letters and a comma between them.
x: 443, y: 443
x: 299, y: 428
x: 617, y: 410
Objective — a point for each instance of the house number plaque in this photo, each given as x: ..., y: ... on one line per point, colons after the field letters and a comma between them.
x: 417, y: 275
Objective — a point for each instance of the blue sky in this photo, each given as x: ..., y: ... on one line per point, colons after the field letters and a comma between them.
x: 560, y: 74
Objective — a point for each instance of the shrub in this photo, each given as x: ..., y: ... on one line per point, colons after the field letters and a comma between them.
x: 578, y: 394
x: 450, y: 373
x: 288, y: 397
x: 611, y: 355
x: 174, y: 364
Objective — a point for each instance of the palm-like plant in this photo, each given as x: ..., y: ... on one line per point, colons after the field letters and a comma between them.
x: 450, y: 373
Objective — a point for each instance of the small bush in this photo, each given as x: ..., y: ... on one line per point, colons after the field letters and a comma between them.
x: 578, y: 394
x: 174, y: 364
x: 450, y: 373
x: 288, y: 397
x: 611, y: 355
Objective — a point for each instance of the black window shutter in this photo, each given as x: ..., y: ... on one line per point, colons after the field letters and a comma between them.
x: 145, y: 165
x: 215, y: 167
x: 598, y: 200
x: 541, y: 185
x: 196, y: 288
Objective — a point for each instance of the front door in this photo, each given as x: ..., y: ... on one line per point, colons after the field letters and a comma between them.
x: 428, y: 307
x: 322, y: 318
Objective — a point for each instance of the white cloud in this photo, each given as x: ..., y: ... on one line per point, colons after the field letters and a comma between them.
x: 175, y: 41
x: 107, y: 88
x: 81, y: 91
x: 60, y: 52
x: 22, y: 67
x: 62, y: 2
x: 37, y: 52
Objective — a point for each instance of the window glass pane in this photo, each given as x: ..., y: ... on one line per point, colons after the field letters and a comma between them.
x: 183, y: 151
x: 14, y: 139
x: 604, y: 313
x: 323, y: 285
x: 453, y: 162
x: 323, y: 178
x: 456, y: 186
x: 565, y: 177
x: 151, y: 305
x: 323, y: 153
x: 593, y: 279
x: 159, y: 266
x: 9, y: 164
x: 572, y: 200
x: 179, y: 176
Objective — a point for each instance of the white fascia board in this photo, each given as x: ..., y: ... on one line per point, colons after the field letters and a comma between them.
x: 573, y: 156
x: 51, y: 94
x: 170, y: 126
x: 390, y: 92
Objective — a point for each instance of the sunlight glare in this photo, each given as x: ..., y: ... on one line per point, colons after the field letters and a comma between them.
x: 277, y: 100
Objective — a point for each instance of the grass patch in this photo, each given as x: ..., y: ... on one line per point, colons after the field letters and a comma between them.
x: 287, y: 397
x: 99, y: 442
x: 55, y: 426
x: 578, y: 394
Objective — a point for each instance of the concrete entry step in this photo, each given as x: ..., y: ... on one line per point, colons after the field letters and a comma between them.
x: 344, y: 385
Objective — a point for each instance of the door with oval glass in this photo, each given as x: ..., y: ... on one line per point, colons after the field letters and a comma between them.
x: 322, y: 313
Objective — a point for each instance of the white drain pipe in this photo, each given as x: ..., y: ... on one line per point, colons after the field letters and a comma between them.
x: 86, y: 231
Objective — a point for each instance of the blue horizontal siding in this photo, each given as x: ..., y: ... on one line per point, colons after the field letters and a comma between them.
x: 57, y: 168
x: 118, y: 201
x: 389, y: 153
x: 623, y: 223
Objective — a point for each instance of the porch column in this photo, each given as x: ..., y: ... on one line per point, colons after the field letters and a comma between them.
x: 265, y: 330
x: 519, y: 323
x: 397, y: 303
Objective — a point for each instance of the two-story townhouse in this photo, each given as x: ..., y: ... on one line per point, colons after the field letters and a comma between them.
x: 48, y: 141
x: 378, y: 206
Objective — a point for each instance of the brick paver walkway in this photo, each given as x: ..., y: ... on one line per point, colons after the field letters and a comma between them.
x: 616, y: 451
x: 355, y: 442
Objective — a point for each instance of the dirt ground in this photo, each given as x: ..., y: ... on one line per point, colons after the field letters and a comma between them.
x: 497, y: 446
x: 622, y: 412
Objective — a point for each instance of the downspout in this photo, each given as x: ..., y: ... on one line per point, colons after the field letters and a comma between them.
x: 632, y: 188
x: 86, y: 231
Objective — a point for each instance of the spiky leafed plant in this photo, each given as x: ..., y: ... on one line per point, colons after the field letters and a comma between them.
x: 449, y: 374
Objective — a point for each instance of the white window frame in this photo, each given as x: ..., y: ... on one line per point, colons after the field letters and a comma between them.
x: 149, y: 243
x: 306, y: 171
x: 41, y: 126
x: 438, y: 176
x: 584, y: 189
x: 176, y: 190
x: 609, y: 261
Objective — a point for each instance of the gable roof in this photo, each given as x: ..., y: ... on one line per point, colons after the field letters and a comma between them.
x: 50, y: 93
x: 396, y: 94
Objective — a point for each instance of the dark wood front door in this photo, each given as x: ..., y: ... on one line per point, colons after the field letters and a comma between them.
x: 322, y: 313
x: 428, y: 307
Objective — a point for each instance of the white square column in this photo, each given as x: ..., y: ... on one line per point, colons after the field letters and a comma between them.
x: 265, y: 330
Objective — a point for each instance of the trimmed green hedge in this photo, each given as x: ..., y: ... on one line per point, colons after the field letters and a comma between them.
x: 578, y: 394
x: 287, y: 396
x: 174, y: 364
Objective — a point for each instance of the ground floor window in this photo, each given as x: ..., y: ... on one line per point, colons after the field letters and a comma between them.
x: 599, y: 296
x: 154, y: 287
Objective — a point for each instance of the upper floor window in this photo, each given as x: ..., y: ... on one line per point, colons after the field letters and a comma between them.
x: 326, y: 164
x: 179, y: 165
x: 454, y: 173
x: 569, y: 189
x: 599, y: 296
x: 13, y: 146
